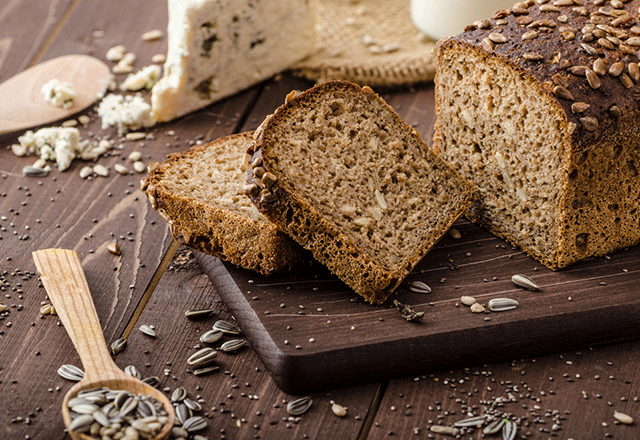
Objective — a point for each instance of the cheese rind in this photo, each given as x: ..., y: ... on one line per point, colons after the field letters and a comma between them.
x: 219, y: 47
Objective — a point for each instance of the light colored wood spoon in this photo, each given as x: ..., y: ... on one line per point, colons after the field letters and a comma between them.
x: 22, y: 104
x: 66, y: 285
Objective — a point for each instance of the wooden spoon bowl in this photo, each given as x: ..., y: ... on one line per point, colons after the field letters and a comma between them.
x: 64, y: 280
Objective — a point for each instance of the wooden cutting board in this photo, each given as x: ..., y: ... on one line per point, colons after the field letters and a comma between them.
x: 313, y: 333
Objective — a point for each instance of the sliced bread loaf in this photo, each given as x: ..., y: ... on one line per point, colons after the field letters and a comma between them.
x: 199, y: 193
x: 340, y: 172
x: 546, y: 126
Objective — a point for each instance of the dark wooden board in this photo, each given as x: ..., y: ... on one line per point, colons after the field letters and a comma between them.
x: 341, y: 340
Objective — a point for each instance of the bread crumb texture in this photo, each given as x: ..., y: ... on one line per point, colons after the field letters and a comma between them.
x: 356, y: 185
x: 199, y: 193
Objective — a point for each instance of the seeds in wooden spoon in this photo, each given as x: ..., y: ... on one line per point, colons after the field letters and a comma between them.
x: 116, y: 412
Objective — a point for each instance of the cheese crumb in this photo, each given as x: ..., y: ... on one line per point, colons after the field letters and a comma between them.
x: 59, y: 144
x: 145, y: 78
x: 125, y: 112
x: 58, y: 93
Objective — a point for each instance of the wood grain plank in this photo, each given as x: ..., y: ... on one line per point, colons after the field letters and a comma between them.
x: 25, y: 27
x: 63, y: 210
x: 240, y: 400
x: 577, y: 391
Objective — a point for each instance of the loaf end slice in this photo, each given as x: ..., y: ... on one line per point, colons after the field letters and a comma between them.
x: 199, y: 193
x: 339, y: 171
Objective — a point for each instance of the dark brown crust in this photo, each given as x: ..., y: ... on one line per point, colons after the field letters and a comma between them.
x: 217, y: 231
x: 551, y: 73
x: 597, y: 210
x: 296, y: 216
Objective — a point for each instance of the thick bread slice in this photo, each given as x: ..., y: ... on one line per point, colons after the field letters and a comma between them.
x: 340, y: 172
x: 199, y: 193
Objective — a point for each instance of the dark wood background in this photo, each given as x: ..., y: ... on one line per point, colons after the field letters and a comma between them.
x: 569, y: 393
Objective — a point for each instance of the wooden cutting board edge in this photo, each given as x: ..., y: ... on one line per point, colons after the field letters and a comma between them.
x: 313, y: 371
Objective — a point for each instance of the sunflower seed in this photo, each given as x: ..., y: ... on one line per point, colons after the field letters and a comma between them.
x: 444, y: 430
x: 121, y: 398
x: 339, y: 410
x: 194, y: 424
x: 179, y: 394
x: 192, y: 404
x: 114, y: 248
x: 477, y: 308
x: 146, y: 409
x: 623, y: 418
x: 509, y: 430
x: 82, y: 423
x: 197, y: 314
x: 211, y: 336
x: 132, y: 371
x: 472, y: 421
x: 129, y: 406
x: 183, y: 413
x: 101, y: 418
x: 152, y: 381
x: 85, y: 408
x: 468, y: 300
x: 71, y: 372
x: 502, y: 304
x: 118, y: 346
x: 148, y: 330
x: 419, y: 287
x: 494, y: 426
x: 233, y: 345
x: 205, y: 370
x: 299, y: 406
x: 524, y: 282
x: 31, y: 171
x: 202, y: 357
x: 226, y: 327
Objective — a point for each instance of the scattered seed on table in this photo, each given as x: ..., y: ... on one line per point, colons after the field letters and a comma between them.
x: 299, y: 406
x: 468, y: 300
x: 339, y: 410
x: 71, y: 372
x: 148, y: 330
x: 524, y: 282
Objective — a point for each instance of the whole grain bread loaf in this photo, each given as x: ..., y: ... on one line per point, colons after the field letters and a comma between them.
x: 340, y: 172
x: 199, y: 193
x: 538, y: 107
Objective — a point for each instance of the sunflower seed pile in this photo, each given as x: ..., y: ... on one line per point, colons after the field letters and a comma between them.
x: 107, y: 414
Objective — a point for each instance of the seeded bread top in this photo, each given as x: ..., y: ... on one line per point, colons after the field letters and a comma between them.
x: 583, y: 52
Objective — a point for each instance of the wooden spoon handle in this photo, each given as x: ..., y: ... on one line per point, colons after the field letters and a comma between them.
x: 63, y: 278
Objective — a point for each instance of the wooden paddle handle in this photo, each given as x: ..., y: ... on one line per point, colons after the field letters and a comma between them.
x: 63, y: 278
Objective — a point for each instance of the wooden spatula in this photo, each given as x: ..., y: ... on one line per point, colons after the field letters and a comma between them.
x: 22, y: 104
x: 63, y: 278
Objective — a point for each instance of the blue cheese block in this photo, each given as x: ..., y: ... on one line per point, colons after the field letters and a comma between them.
x: 219, y: 47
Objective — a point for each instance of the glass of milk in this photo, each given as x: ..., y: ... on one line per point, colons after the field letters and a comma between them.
x: 444, y: 18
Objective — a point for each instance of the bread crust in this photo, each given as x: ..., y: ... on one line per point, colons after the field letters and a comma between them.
x: 327, y: 240
x: 209, y: 227
x: 581, y: 61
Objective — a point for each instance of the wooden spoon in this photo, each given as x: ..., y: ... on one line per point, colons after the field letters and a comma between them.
x: 22, y: 104
x: 66, y: 285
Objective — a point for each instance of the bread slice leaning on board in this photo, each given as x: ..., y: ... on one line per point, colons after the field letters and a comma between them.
x: 199, y: 193
x: 538, y: 108
x: 340, y: 172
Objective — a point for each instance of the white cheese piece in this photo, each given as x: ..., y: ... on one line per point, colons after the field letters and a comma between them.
x: 125, y: 112
x: 58, y: 93
x: 145, y: 78
x: 59, y: 144
x: 217, y: 48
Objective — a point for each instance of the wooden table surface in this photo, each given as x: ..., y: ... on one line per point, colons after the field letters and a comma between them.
x: 564, y: 395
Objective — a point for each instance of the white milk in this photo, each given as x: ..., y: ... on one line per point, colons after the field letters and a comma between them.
x: 444, y: 18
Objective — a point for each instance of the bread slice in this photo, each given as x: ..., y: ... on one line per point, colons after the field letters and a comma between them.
x: 199, y: 193
x: 340, y: 172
